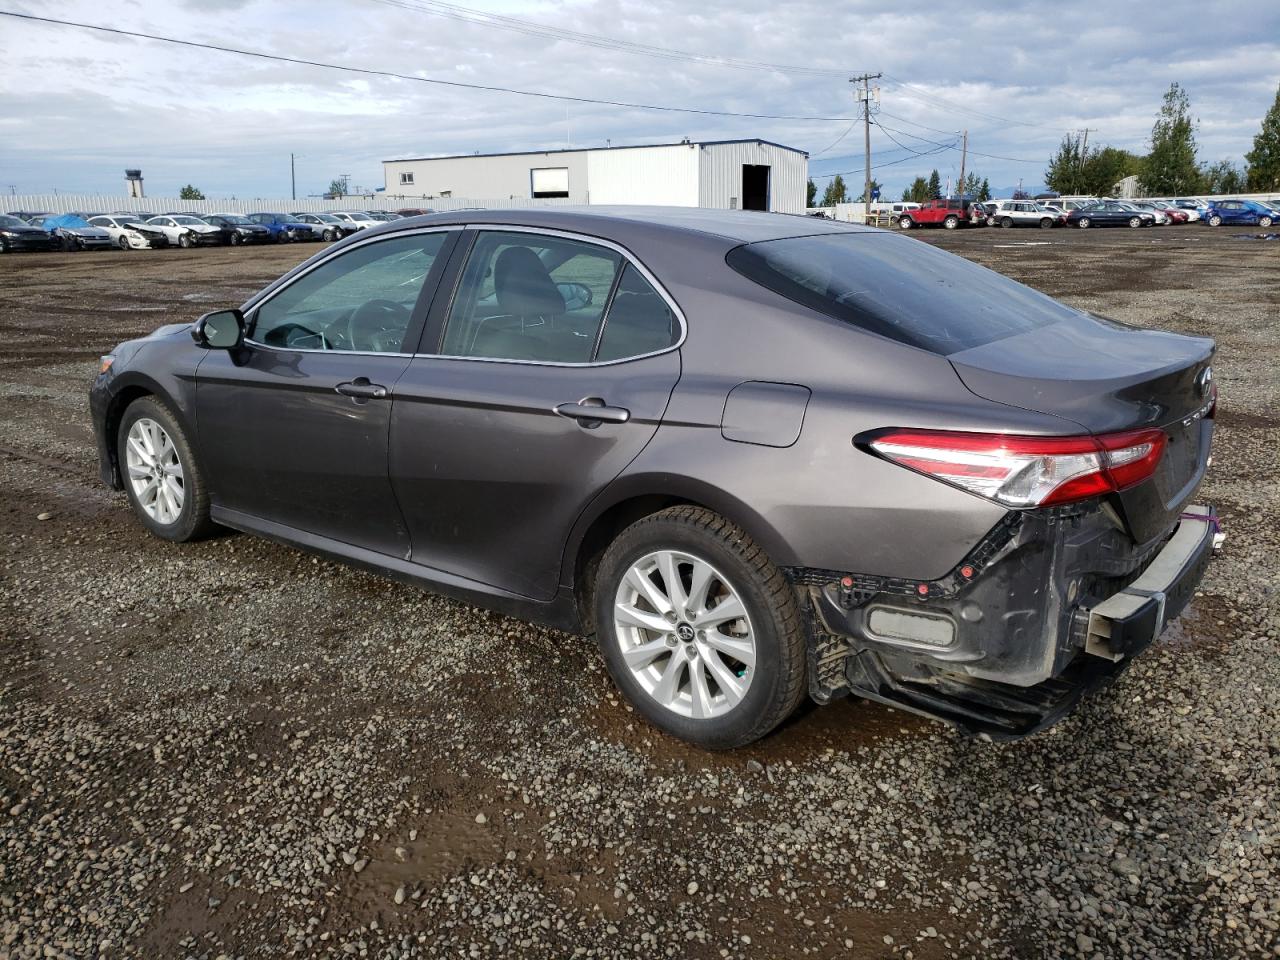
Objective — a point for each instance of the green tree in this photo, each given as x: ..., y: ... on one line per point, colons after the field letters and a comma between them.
x: 984, y: 191
x: 1065, y: 167
x: 1104, y: 168
x: 190, y: 193
x: 875, y: 185
x: 1264, y: 158
x: 935, y: 186
x: 1222, y: 177
x: 337, y: 187
x: 918, y: 192
x: 971, y: 185
x: 1170, y: 167
x: 836, y: 192
x: 811, y: 192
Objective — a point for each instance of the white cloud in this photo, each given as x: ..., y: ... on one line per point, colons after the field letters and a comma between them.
x: 77, y: 107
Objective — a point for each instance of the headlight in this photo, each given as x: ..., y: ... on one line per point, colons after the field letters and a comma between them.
x: 104, y: 363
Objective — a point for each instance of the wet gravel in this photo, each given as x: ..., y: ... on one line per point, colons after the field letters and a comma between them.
x: 234, y: 749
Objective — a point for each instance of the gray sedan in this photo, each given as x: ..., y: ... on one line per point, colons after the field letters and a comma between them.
x: 757, y: 456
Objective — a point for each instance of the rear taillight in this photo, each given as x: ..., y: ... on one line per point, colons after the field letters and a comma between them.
x: 1020, y: 471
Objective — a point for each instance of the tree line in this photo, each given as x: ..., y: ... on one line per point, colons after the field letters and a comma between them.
x: 1171, y: 166
x: 921, y: 189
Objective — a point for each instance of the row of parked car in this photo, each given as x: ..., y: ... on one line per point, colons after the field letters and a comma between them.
x: 1084, y: 212
x: 130, y: 230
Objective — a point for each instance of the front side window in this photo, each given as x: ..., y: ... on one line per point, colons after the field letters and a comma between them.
x: 898, y: 288
x: 361, y: 300
x: 525, y: 296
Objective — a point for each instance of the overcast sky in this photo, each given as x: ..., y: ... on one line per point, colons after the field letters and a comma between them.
x: 77, y: 107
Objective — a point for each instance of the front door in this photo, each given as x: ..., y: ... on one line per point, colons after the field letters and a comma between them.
x: 544, y: 378
x: 294, y: 426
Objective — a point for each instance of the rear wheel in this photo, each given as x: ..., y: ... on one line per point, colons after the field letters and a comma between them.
x: 699, y: 629
x: 161, y: 475
x: 1215, y: 221
x: 1006, y: 222
x: 951, y: 222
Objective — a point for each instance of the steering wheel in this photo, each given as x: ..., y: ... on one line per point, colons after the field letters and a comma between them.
x: 378, y: 326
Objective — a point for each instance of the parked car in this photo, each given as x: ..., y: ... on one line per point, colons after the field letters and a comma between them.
x: 357, y: 218
x: 187, y: 230
x: 1171, y: 212
x: 16, y: 235
x: 330, y: 227
x: 948, y: 213
x: 590, y: 429
x: 382, y: 216
x: 1022, y: 213
x: 26, y: 216
x: 1194, y: 209
x: 129, y: 233
x: 1109, y: 213
x: 1239, y: 211
x: 1159, y: 217
x: 238, y: 228
x: 285, y: 227
x: 73, y: 232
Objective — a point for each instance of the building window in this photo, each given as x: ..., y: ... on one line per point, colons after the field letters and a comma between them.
x: 406, y: 179
x: 548, y: 182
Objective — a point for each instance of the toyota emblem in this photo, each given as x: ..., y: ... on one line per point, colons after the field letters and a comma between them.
x: 1204, y: 380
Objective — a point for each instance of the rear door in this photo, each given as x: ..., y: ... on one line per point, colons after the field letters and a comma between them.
x: 537, y: 382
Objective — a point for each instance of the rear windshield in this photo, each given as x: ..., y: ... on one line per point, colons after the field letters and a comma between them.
x: 898, y: 287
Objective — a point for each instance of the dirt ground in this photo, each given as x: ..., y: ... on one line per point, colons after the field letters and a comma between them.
x: 232, y: 748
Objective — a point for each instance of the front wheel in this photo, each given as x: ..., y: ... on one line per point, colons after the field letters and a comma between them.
x: 236, y: 239
x: 122, y: 243
x: 1083, y: 223
x: 699, y: 629
x: 1135, y: 221
x: 1046, y: 224
x: 1264, y: 221
x: 330, y: 236
x: 161, y: 475
x: 906, y: 223
x: 185, y: 241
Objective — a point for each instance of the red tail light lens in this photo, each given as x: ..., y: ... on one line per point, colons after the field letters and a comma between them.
x: 1027, y: 471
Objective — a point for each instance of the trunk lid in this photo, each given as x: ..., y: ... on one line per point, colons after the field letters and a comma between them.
x: 1107, y: 377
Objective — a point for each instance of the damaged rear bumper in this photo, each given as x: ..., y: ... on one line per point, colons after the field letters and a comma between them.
x: 1049, y: 607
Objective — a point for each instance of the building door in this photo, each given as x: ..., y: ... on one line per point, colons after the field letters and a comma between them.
x: 755, y: 186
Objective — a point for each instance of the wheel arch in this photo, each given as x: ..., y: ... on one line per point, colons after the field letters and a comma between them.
x: 631, y: 499
x: 135, y: 387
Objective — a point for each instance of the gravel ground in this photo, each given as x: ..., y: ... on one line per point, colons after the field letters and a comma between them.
x: 236, y: 749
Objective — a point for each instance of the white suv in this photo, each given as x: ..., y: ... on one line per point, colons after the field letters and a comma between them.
x: 1021, y: 213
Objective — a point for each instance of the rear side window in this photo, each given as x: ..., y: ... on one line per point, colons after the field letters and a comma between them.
x: 899, y: 288
x: 639, y: 320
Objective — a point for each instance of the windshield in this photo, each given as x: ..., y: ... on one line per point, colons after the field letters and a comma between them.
x: 899, y: 288
x: 12, y: 222
x: 189, y: 221
x: 326, y: 217
x: 234, y: 218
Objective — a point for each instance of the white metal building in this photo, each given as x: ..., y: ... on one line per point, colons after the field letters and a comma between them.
x: 724, y: 174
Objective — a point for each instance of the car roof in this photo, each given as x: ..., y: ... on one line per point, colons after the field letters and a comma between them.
x: 743, y: 226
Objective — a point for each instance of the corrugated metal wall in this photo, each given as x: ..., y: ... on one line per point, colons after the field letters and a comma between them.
x: 106, y: 203
x: 721, y: 175
x: 665, y: 176
x: 505, y: 175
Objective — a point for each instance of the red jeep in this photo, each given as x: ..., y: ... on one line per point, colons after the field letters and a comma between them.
x: 945, y: 213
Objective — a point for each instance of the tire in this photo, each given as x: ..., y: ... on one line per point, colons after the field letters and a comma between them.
x: 1006, y: 222
x: 236, y: 240
x: 191, y: 520
x: 1135, y: 221
x: 122, y: 243
x: 906, y: 223
x: 1264, y: 221
x: 4, y: 245
x: 330, y: 236
x: 185, y: 241
x: 951, y: 223
x: 1083, y: 223
x: 1215, y: 221
x: 769, y: 633
x: 1046, y: 224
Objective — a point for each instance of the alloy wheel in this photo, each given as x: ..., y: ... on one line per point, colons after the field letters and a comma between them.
x: 155, y: 471
x: 685, y: 634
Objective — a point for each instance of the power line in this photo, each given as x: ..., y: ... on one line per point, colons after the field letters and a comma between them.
x: 402, y: 76
x: 848, y: 130
x: 453, y: 11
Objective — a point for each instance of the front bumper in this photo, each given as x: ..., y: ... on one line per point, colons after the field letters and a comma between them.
x: 40, y: 242
x: 1050, y: 606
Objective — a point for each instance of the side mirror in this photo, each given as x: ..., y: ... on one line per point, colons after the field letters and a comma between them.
x: 219, y: 330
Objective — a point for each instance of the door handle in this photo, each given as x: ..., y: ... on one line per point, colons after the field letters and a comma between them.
x: 361, y: 389
x: 590, y: 412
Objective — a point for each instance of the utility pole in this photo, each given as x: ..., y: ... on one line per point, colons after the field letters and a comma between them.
x: 964, y: 152
x: 1084, y: 148
x: 293, y: 183
x: 865, y: 80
